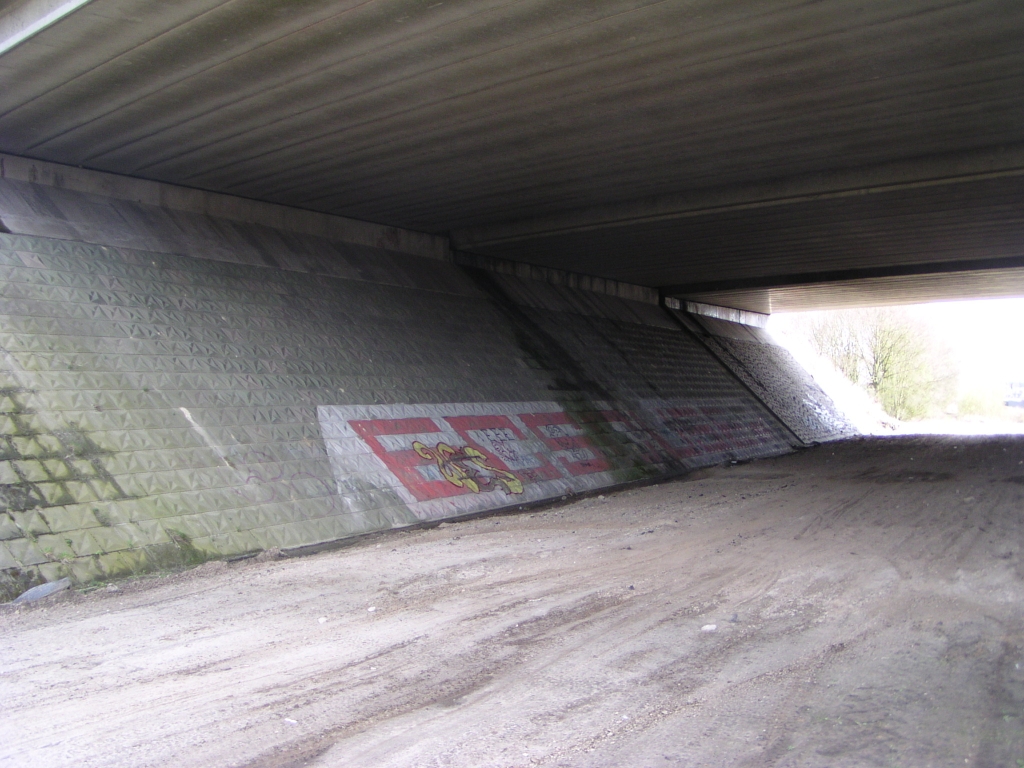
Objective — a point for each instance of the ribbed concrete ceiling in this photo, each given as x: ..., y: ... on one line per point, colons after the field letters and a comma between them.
x: 679, y: 145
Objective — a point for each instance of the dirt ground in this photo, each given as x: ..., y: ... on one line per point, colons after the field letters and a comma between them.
x: 857, y: 604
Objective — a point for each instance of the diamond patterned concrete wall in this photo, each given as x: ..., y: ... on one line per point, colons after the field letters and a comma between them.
x: 775, y: 376
x: 156, y: 408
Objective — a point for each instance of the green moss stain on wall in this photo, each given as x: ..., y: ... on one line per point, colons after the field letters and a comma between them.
x: 51, y: 481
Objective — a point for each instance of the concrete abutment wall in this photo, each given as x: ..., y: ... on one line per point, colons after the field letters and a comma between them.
x: 235, y: 387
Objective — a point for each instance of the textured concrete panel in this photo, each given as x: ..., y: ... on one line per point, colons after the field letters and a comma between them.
x: 774, y: 376
x: 159, y: 408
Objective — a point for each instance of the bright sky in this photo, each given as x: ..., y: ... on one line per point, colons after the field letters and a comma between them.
x: 986, y: 336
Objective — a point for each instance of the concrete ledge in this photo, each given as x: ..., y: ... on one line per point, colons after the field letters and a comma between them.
x: 554, y: 276
x: 172, y: 197
x: 741, y: 316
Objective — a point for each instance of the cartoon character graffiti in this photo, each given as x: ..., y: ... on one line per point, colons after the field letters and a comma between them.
x: 469, y: 468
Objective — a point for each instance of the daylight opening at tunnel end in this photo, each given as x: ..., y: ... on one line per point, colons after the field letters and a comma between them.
x: 954, y: 366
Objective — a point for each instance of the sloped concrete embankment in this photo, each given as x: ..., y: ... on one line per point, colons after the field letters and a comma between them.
x: 285, y: 389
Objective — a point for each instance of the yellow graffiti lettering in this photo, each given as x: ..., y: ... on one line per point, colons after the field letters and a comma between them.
x: 468, y: 468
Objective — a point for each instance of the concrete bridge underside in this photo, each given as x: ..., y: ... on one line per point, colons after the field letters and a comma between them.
x: 738, y: 153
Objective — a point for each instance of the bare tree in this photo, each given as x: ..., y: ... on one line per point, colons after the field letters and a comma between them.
x: 835, y: 336
x: 894, y: 358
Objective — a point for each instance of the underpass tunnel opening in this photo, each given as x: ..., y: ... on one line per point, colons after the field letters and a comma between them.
x: 280, y: 278
x: 939, y: 353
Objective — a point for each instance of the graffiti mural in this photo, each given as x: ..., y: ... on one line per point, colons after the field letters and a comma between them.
x: 467, y: 467
x: 455, y: 458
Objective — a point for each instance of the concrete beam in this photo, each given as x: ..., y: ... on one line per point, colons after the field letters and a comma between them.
x: 845, y: 275
x: 1000, y: 162
x: 27, y: 19
x: 872, y: 292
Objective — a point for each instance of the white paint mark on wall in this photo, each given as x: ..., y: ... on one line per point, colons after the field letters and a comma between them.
x: 206, y: 437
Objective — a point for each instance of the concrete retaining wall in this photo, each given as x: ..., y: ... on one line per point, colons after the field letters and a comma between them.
x: 158, y: 408
x: 774, y: 376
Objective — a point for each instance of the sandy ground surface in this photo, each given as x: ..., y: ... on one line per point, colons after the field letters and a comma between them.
x: 857, y: 604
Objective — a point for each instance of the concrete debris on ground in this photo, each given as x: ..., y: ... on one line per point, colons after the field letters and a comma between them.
x: 43, y: 590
